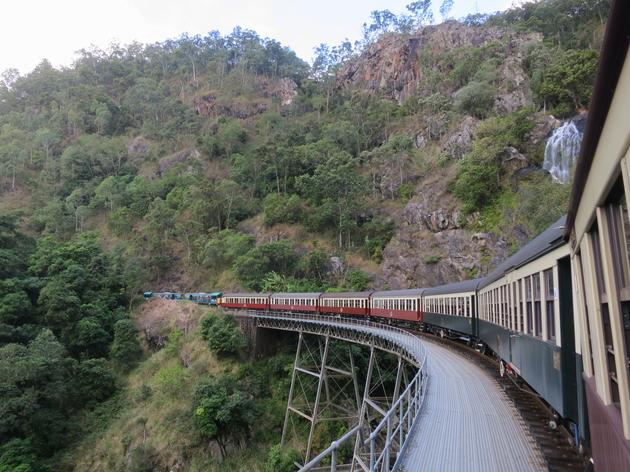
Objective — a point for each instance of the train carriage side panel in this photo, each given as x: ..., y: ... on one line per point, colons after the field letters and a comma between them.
x: 301, y: 302
x: 523, y: 320
x: 345, y: 303
x: 403, y: 305
x: 452, y: 307
x: 245, y: 301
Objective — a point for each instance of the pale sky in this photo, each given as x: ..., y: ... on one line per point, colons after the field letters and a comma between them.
x: 31, y: 30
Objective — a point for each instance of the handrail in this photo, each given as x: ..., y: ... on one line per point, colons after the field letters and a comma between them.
x: 330, y: 451
x: 418, y: 352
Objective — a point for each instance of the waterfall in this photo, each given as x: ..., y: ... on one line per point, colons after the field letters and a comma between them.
x: 562, y: 150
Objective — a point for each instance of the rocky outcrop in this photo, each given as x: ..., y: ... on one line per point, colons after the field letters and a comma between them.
x: 208, y: 105
x: 432, y: 244
x: 284, y: 90
x: 139, y: 146
x: 459, y: 142
x: 391, y: 65
x: 188, y: 156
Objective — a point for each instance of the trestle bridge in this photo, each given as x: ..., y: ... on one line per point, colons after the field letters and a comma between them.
x: 437, y: 411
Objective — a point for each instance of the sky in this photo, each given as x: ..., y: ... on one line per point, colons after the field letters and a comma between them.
x: 31, y: 30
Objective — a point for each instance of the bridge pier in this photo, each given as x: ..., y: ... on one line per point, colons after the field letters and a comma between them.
x: 261, y: 342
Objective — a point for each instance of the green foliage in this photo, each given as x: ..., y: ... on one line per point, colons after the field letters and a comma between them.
x: 17, y: 455
x: 357, y: 280
x: 223, y: 335
x: 225, y: 247
x: 223, y: 411
x: 533, y: 216
x: 282, y: 209
x: 125, y: 350
x: 338, y: 190
x: 479, y: 176
x: 567, y: 83
x: 476, y: 99
x: 94, y: 381
x: 279, y: 256
x: 280, y: 459
x: 430, y: 260
x: 170, y: 380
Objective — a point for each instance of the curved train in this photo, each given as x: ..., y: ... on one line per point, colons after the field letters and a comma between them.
x: 557, y: 312
x: 522, y: 312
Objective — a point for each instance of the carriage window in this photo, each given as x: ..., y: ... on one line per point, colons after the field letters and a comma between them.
x: 550, y: 296
x: 537, y: 307
x: 529, y: 307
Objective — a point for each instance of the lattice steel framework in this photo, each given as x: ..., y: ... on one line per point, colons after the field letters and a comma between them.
x: 384, y: 423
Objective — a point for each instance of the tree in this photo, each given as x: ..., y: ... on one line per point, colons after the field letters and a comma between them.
x: 93, y: 382
x: 224, y: 337
x: 337, y: 182
x: 445, y: 8
x: 476, y: 99
x: 18, y: 455
x: 568, y: 81
x: 223, y: 411
x: 125, y: 350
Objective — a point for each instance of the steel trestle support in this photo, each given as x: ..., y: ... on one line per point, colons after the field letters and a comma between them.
x: 383, y: 424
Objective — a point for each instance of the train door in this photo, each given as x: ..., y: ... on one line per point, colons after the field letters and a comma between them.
x: 574, y: 398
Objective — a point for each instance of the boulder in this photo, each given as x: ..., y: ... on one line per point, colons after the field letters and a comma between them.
x: 458, y: 143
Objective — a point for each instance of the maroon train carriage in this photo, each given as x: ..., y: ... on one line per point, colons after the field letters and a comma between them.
x: 398, y: 304
x: 307, y: 302
x: 345, y: 303
x: 248, y: 301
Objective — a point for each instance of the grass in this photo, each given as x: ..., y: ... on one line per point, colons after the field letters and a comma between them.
x: 150, y: 421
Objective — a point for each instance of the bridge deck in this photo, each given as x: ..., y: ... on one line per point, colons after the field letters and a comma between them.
x: 467, y: 423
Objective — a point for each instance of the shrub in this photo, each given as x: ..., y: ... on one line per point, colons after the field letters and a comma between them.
x: 476, y: 99
x: 125, y: 349
x: 357, y: 280
x: 224, y: 337
x: 430, y: 260
x: 170, y: 380
x: 281, y: 460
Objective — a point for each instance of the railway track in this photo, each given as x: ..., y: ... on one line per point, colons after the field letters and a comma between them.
x: 556, y: 445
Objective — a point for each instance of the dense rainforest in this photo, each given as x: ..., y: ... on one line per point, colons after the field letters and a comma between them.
x: 412, y: 157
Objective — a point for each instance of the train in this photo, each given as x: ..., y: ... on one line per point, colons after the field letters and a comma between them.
x: 201, y: 298
x: 522, y: 312
x: 556, y: 313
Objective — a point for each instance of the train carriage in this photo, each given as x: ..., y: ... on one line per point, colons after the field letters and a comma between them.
x: 452, y: 307
x: 598, y: 229
x: 304, y: 302
x: 526, y: 316
x: 405, y: 305
x: 345, y: 303
x: 251, y: 301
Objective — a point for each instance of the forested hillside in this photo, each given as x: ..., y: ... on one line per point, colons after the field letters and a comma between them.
x: 410, y: 158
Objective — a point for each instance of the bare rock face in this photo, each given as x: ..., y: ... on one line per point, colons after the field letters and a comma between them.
x: 458, y: 143
x: 391, y: 65
x: 515, y: 91
x: 208, y: 105
x: 545, y: 124
x: 337, y: 267
x: 139, y: 146
x: 285, y: 90
x: 431, y: 245
x: 513, y: 160
x: 189, y: 155
x: 419, y: 258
